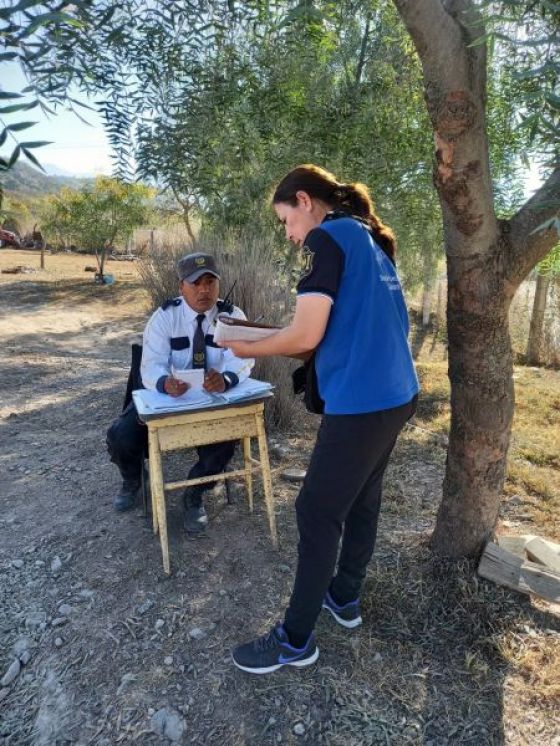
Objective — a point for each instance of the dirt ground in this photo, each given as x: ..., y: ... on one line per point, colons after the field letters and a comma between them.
x: 104, y: 648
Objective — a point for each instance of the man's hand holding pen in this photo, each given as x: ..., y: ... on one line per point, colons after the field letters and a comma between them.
x: 174, y: 387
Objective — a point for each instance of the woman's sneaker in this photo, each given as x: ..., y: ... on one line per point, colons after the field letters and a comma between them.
x: 348, y: 615
x: 272, y: 651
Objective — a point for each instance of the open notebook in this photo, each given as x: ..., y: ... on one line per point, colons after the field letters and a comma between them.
x: 152, y: 402
x: 236, y: 330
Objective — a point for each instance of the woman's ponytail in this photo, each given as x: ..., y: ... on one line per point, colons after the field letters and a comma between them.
x: 355, y: 200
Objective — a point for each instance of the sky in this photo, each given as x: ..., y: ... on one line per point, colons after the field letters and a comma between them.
x: 77, y: 149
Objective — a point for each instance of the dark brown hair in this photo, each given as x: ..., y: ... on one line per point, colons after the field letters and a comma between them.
x: 352, y: 199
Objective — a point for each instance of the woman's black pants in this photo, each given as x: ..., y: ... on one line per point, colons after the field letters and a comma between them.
x: 341, y: 496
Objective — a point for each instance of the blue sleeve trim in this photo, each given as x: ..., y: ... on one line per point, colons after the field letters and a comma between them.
x: 231, y: 379
x: 160, y: 384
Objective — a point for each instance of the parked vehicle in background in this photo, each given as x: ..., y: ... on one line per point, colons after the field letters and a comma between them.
x: 8, y: 238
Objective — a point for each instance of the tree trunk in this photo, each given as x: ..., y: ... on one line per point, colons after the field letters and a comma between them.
x: 428, y: 286
x: 187, y: 222
x: 482, y: 399
x: 486, y: 261
x: 534, y: 346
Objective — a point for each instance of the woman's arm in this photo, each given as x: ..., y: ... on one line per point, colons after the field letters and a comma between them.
x: 302, y: 336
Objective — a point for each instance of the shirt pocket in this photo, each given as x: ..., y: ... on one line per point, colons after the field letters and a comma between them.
x: 180, y: 352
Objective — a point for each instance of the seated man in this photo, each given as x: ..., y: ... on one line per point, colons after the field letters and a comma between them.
x: 179, y: 335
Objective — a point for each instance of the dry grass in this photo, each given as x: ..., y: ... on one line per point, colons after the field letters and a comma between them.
x: 533, y: 478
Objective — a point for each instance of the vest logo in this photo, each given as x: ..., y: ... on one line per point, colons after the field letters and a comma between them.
x: 307, y: 261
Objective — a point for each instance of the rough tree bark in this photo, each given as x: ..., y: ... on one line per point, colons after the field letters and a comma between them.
x: 486, y: 261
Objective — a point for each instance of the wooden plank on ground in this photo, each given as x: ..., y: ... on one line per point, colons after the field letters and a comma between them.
x: 505, y: 568
x: 544, y: 551
x: 515, y: 544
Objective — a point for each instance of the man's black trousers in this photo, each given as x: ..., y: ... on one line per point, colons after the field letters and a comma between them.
x: 127, y: 442
x: 341, y: 496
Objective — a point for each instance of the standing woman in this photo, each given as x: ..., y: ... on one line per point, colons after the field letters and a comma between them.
x: 350, y: 310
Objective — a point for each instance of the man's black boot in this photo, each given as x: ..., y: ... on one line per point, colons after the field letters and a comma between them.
x: 126, y: 498
x: 195, y: 518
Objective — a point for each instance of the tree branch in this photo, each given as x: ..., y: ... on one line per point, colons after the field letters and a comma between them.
x: 528, y: 245
x: 428, y: 24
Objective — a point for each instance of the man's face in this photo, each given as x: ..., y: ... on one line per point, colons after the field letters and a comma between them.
x: 202, y: 294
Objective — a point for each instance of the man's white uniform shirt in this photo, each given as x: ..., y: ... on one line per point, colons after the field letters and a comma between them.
x: 168, y: 341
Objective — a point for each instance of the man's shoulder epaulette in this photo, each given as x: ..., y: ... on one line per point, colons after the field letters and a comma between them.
x: 170, y: 302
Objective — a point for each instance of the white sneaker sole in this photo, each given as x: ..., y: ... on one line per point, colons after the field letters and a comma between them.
x: 344, y: 622
x: 270, y: 669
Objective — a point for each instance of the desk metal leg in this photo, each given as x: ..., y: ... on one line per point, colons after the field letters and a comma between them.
x: 267, y: 480
x: 158, y: 499
x: 248, y: 471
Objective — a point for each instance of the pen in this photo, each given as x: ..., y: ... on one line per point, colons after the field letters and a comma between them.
x: 259, y: 318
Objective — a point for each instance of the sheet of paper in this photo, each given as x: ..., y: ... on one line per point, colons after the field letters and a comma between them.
x: 152, y: 402
x: 194, y: 377
x: 225, y: 333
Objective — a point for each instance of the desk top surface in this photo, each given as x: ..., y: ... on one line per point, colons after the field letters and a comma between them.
x: 147, y: 415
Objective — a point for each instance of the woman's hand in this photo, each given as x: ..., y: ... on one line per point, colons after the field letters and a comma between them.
x: 240, y: 348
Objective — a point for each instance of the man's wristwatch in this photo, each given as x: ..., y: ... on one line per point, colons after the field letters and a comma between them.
x: 230, y: 379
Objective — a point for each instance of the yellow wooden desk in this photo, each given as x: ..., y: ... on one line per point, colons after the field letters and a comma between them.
x: 178, y: 430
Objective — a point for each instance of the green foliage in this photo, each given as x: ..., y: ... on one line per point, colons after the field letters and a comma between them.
x: 524, y: 39
x: 97, y: 217
x: 550, y: 265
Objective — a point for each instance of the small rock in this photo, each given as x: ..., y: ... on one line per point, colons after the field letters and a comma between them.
x: 59, y: 642
x: 35, y: 619
x: 59, y: 621
x: 25, y: 657
x: 18, y: 563
x: 56, y: 566
x: 86, y: 593
x: 196, y: 633
x: 12, y: 673
x: 293, y: 475
x: 21, y: 646
x: 167, y: 722
x: 145, y: 607
x: 65, y: 609
x: 377, y: 658
x: 159, y: 623
x: 284, y: 568
x: 299, y: 729
x: 126, y: 680
x: 168, y: 660
x: 3, y: 693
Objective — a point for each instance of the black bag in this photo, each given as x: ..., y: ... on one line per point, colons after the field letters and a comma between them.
x: 304, y: 381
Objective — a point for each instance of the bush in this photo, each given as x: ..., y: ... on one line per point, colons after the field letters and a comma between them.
x: 249, y: 270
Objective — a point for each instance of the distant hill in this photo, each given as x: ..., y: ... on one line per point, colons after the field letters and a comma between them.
x: 28, y: 181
